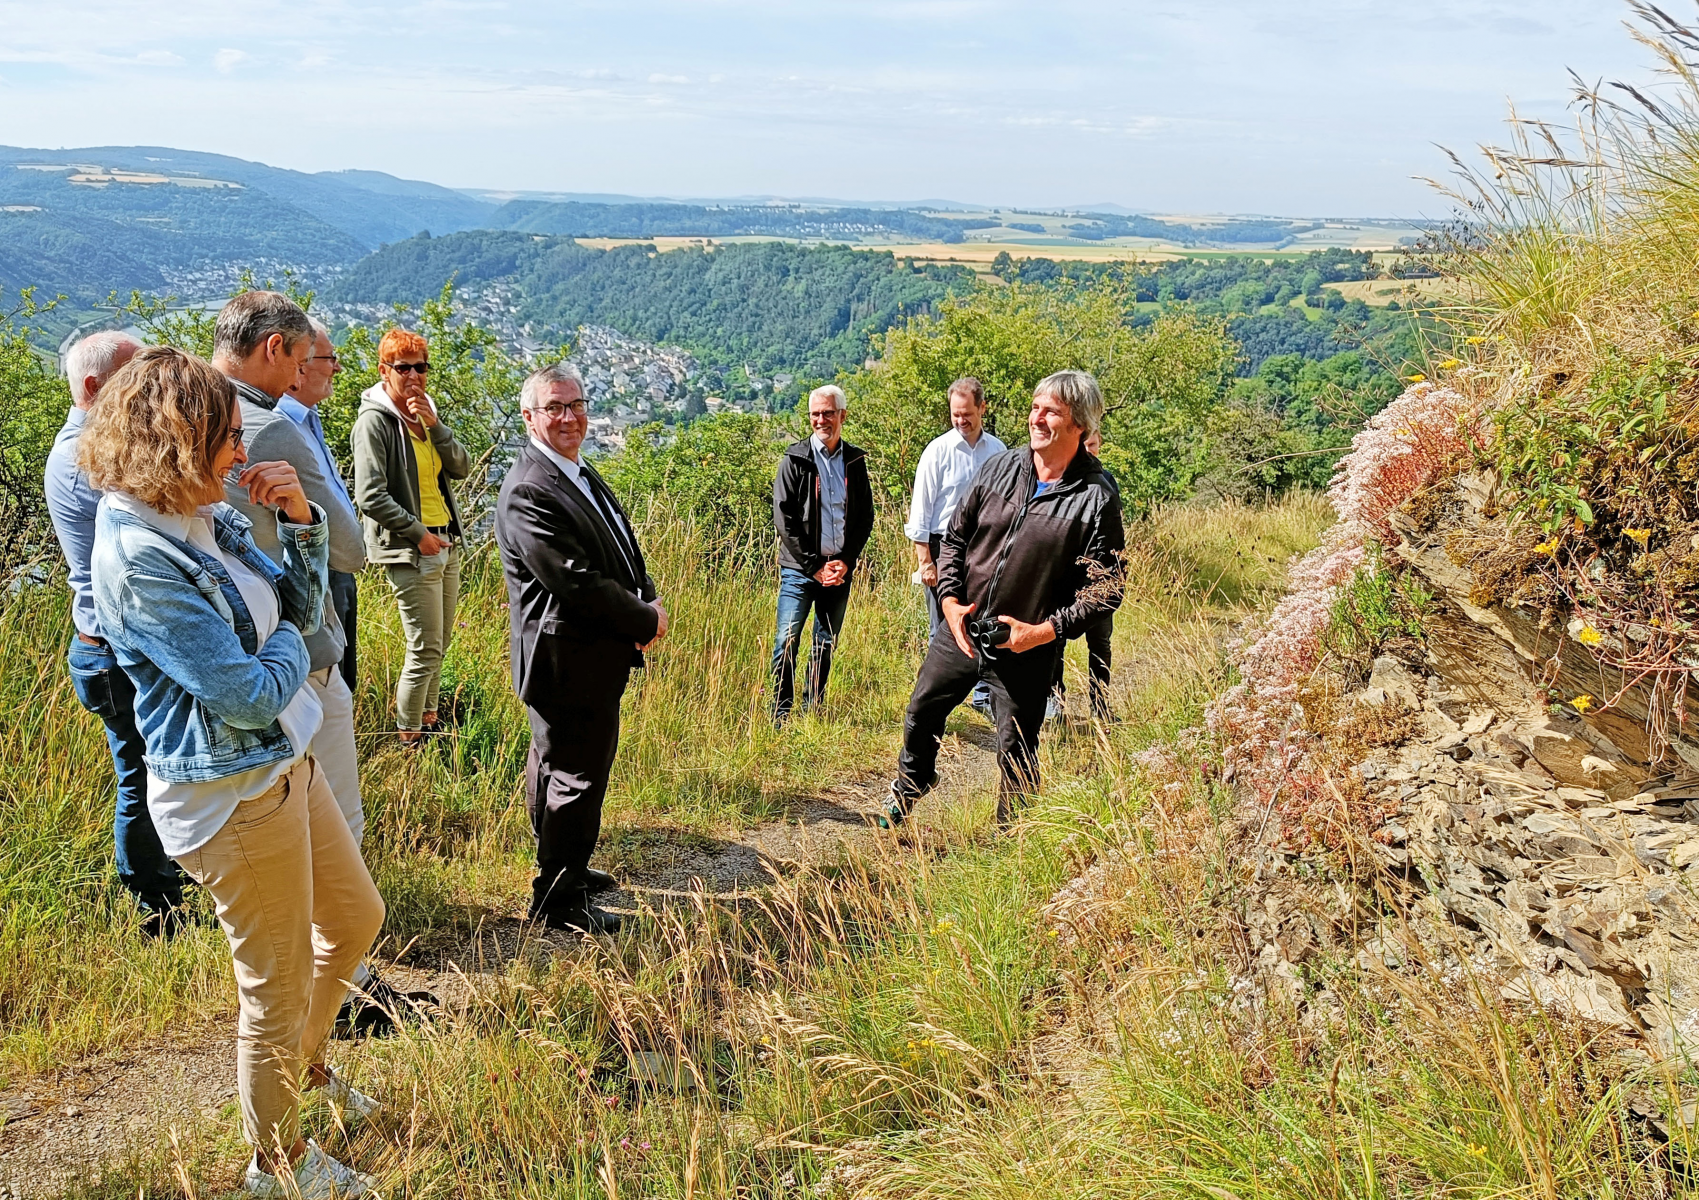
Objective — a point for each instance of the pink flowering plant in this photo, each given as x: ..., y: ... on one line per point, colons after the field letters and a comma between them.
x: 1268, y: 746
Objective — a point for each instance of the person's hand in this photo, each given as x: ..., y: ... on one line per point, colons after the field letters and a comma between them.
x: 1024, y: 637
x: 955, y: 616
x: 832, y: 574
x: 660, y: 626
x: 275, y: 485
x: 929, y: 574
x: 431, y: 544
x: 421, y: 410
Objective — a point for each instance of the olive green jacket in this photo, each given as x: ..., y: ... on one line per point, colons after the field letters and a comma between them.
x: 386, y: 479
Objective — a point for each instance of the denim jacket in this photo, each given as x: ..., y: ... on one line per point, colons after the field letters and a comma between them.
x: 207, y: 695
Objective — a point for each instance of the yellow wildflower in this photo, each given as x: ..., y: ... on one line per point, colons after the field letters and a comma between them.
x: 1451, y: 364
x: 1582, y: 702
x: 1477, y: 1151
x: 1415, y: 379
x: 1589, y: 636
x: 1475, y: 341
x: 1639, y: 535
x: 1546, y: 547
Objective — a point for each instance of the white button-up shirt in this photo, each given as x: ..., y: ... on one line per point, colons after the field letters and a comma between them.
x: 947, y: 467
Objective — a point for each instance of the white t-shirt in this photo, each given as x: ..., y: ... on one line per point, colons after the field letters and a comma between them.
x: 187, y: 815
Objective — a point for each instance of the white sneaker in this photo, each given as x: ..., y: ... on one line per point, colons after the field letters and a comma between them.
x: 318, y: 1176
x: 350, y: 1102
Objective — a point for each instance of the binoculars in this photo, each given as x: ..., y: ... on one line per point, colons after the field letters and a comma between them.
x: 988, y: 633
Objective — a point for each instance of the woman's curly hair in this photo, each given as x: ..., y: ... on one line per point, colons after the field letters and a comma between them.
x: 156, y: 429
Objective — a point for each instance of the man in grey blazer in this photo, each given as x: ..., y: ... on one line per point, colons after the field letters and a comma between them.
x: 262, y: 342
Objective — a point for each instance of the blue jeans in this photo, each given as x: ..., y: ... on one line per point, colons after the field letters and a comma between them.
x: 143, y: 866
x: 797, y: 594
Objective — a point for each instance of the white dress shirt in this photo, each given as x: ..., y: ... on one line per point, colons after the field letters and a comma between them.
x: 947, y: 467
x: 622, y: 535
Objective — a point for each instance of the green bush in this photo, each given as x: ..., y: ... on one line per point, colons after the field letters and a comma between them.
x: 1375, y: 607
x: 1159, y: 383
x: 716, y: 473
x: 33, y: 403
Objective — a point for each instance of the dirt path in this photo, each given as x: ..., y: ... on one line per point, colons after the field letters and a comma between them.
x: 60, y: 1128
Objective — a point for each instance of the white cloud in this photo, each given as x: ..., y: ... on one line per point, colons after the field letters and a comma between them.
x: 226, y: 60
x: 658, y: 78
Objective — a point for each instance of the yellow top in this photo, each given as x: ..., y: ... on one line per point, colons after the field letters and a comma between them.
x: 433, y: 508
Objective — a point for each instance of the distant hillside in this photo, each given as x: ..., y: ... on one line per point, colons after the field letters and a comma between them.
x: 575, y: 219
x: 768, y: 306
x: 87, y: 221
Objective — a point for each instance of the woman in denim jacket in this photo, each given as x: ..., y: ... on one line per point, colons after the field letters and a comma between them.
x: 211, y: 633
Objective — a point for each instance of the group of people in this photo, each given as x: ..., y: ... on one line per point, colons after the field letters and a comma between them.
x: 213, y: 546
x: 1019, y: 551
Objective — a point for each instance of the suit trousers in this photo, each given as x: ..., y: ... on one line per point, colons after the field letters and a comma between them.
x: 566, y: 778
x: 1099, y: 636
x: 345, y: 598
x: 1019, y: 684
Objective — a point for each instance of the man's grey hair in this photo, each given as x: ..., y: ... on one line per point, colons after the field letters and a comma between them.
x: 100, y: 355
x: 248, y: 320
x: 319, y: 327
x: 544, y: 377
x: 832, y: 392
x: 1079, y: 391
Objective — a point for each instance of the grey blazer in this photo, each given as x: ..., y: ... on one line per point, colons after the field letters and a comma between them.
x: 270, y: 436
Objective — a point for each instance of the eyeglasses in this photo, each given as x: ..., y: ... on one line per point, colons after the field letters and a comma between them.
x: 556, y: 410
x: 235, y: 436
x: 406, y: 367
x: 329, y: 358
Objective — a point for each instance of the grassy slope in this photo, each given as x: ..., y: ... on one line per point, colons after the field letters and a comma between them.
x: 917, y: 1018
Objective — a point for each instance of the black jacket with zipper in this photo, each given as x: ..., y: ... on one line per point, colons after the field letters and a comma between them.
x: 796, y: 508
x: 1048, y: 541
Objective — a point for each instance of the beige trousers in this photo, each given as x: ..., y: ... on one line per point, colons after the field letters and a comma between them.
x: 427, y: 595
x: 300, y: 911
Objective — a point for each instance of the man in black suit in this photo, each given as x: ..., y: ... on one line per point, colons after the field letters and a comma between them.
x: 583, y: 610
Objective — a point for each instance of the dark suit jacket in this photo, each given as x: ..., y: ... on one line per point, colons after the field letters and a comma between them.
x: 577, y: 612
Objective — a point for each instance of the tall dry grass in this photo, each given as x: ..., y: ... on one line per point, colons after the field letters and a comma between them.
x: 920, y: 1016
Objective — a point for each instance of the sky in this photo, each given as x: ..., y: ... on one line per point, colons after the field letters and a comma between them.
x: 1318, y: 108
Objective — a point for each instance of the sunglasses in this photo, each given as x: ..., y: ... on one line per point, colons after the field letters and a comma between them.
x: 422, y: 368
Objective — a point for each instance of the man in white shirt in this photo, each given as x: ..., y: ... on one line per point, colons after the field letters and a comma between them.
x: 947, y: 467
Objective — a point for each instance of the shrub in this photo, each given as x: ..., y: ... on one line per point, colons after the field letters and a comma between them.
x: 33, y: 403
x: 716, y: 474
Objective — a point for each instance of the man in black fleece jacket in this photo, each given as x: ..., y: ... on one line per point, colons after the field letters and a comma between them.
x: 1031, y: 558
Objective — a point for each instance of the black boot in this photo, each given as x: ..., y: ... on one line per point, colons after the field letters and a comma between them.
x: 570, y: 908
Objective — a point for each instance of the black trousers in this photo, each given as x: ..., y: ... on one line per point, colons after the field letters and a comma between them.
x: 1019, y: 685
x: 1098, y: 637
x: 345, y: 599
x: 566, y: 778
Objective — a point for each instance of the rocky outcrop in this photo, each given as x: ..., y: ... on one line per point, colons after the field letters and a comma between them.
x: 1549, y: 837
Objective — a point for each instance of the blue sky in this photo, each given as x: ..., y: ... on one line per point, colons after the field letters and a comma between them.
x: 1326, y: 107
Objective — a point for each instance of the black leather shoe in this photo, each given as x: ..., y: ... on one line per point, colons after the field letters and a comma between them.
x: 374, y: 1013
x: 582, y: 917
x: 598, y: 881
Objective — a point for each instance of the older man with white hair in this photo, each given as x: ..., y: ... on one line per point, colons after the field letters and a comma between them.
x: 315, y: 385
x: 144, y: 868
x: 823, y: 510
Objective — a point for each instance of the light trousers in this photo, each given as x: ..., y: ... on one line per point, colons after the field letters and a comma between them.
x: 426, y: 595
x: 333, y: 747
x: 299, y: 910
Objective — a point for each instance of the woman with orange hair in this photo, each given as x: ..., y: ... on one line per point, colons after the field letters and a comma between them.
x: 404, y: 460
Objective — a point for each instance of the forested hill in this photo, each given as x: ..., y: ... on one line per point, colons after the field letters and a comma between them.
x: 772, y: 306
x: 576, y: 219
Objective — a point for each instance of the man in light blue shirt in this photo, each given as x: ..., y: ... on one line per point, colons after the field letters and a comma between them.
x: 301, y: 405
x: 947, y: 467
x: 101, y: 685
